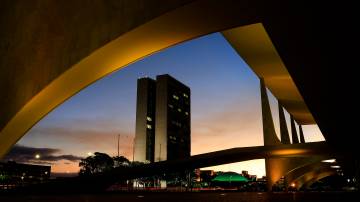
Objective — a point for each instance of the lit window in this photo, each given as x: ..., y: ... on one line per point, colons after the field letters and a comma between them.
x: 148, y: 126
x: 186, y: 95
x: 187, y: 113
x: 171, y: 106
x: 148, y: 118
x: 175, y: 97
x: 179, y: 109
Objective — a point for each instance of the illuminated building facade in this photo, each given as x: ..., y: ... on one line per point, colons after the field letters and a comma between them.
x: 162, y: 120
x: 172, y: 128
x: 145, y: 120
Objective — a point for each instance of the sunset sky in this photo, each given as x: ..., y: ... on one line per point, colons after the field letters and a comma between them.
x: 225, y: 109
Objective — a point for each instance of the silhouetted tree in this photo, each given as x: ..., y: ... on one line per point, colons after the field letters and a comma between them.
x: 121, y: 161
x: 136, y: 163
x: 97, y: 163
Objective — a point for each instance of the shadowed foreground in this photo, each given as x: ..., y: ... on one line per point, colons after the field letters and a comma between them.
x: 200, y: 196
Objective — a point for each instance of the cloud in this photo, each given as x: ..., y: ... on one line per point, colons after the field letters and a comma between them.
x: 24, y: 154
x: 68, y: 157
x: 80, y: 137
x: 83, y: 132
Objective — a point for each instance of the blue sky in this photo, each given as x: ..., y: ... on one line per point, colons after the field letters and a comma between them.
x: 225, y: 106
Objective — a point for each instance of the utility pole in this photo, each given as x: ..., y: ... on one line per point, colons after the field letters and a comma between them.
x: 118, y: 146
x: 133, y: 149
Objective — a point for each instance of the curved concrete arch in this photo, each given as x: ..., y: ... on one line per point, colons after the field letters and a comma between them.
x: 233, y: 155
x: 313, y: 164
x: 291, y: 168
x: 312, y: 176
x: 258, y: 51
x: 178, y: 25
x: 319, y: 177
x: 41, y: 40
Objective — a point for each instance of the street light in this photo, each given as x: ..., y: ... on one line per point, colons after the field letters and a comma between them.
x: 329, y: 161
x: 37, y: 156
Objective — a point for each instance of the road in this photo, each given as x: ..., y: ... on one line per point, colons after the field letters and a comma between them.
x: 182, y: 197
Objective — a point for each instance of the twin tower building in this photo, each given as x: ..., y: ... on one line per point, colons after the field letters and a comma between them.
x: 162, y: 120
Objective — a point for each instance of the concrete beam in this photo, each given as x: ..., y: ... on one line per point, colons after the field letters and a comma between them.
x: 254, y: 45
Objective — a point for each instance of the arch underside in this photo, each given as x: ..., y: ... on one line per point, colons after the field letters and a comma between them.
x: 181, y: 21
x: 301, y: 171
x: 309, y: 178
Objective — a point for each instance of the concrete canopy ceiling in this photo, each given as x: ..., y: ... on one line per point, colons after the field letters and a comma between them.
x: 254, y: 45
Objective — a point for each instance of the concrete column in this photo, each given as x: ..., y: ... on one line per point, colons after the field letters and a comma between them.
x: 294, y: 136
x: 270, y: 137
x: 284, y: 133
x: 269, y: 133
x: 302, y: 139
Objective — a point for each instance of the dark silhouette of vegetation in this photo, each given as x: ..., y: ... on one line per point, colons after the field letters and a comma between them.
x: 121, y: 161
x: 95, y: 164
x: 103, y: 163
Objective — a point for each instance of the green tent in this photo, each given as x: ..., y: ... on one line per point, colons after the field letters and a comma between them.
x: 230, y: 177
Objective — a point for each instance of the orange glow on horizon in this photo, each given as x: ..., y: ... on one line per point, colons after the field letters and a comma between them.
x: 65, y: 166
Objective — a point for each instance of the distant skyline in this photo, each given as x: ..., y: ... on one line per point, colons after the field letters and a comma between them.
x: 225, y: 108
